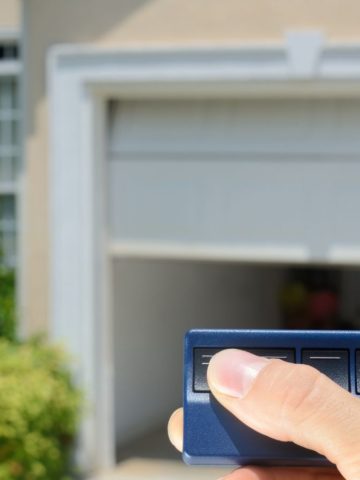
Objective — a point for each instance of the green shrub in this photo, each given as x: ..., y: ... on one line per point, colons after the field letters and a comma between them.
x: 39, y: 412
x: 7, y: 303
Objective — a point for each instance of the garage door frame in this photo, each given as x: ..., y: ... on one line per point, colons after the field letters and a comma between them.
x: 80, y: 81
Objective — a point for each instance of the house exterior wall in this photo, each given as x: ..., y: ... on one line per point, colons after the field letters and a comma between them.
x: 9, y: 14
x: 124, y: 23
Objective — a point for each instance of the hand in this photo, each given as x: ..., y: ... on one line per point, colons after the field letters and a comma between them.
x: 288, y: 402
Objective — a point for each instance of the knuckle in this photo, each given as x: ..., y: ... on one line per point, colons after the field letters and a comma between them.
x: 301, y: 395
x: 307, y: 408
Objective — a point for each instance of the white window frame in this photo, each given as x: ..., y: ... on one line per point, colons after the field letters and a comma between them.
x: 80, y: 81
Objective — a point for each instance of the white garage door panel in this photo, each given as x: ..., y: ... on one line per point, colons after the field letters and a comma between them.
x: 277, y: 203
x: 218, y: 126
x: 236, y: 174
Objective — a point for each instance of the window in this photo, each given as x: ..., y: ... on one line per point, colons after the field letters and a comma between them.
x: 9, y: 163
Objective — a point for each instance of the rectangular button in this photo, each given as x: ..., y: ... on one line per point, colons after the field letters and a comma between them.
x: 202, y: 357
x: 333, y: 363
x: 358, y: 371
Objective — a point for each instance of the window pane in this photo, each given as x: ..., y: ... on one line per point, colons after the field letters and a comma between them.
x: 7, y: 229
x: 14, y: 93
x: 5, y: 134
x: 6, y: 93
x: 9, y: 131
x: 6, y: 169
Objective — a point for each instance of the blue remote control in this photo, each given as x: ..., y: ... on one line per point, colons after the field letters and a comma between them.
x: 213, y: 436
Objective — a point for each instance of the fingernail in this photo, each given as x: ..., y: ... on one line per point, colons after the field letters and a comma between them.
x: 232, y: 372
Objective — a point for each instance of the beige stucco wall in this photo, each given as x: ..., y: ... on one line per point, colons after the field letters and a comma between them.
x: 9, y: 14
x: 123, y: 22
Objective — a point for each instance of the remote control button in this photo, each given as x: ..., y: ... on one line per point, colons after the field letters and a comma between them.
x: 202, y: 357
x: 333, y: 363
x: 358, y: 371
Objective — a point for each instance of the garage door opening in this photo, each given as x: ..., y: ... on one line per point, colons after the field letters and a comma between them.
x: 197, y: 190
x: 156, y: 301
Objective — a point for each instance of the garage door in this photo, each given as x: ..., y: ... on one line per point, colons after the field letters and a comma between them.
x: 281, y: 175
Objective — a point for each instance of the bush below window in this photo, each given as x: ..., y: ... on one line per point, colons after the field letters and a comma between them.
x: 7, y: 302
x: 39, y: 412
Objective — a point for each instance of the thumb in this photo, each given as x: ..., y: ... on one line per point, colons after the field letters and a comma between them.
x: 290, y: 402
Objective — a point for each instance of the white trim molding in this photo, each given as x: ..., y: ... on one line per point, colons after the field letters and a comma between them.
x: 10, y: 68
x: 9, y: 35
x: 80, y: 80
x: 303, y: 65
